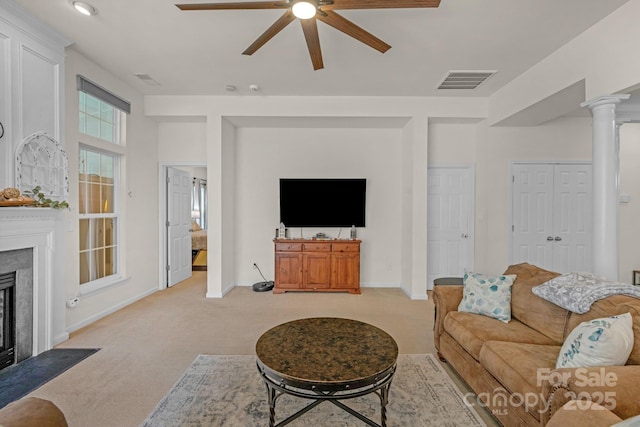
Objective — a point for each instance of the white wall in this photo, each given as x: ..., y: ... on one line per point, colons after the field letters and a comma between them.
x: 492, y: 150
x: 629, y: 223
x: 226, y: 115
x: 263, y: 155
x: 562, y: 139
x: 452, y: 143
x: 140, y: 213
x: 604, y: 56
x: 182, y: 142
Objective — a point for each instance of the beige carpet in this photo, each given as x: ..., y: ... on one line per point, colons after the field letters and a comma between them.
x: 228, y: 391
x: 147, y: 346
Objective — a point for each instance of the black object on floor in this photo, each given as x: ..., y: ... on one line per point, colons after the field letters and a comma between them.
x: 263, y: 286
x: 19, y: 380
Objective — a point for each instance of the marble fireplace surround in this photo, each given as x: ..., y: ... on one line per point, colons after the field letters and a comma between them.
x: 20, y: 262
x: 36, y: 229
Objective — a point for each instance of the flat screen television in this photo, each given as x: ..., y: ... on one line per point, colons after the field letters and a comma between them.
x: 325, y: 202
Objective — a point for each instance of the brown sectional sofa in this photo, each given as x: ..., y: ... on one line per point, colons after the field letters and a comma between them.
x: 503, y: 362
x: 32, y: 412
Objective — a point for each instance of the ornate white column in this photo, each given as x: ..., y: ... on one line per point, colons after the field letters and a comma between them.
x: 606, y: 177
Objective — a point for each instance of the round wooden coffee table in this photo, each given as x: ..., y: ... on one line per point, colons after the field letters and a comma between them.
x: 326, y: 359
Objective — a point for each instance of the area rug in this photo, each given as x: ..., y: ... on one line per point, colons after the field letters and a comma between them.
x: 228, y: 391
x: 19, y: 380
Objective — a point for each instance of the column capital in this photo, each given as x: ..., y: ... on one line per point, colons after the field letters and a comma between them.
x: 605, y: 100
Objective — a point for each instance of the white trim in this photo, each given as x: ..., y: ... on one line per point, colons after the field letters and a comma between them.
x: 96, y: 285
x: 29, y: 26
x: 163, y: 276
x: 25, y: 228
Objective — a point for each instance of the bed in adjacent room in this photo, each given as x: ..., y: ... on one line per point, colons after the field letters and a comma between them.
x: 198, y: 247
x: 198, y: 237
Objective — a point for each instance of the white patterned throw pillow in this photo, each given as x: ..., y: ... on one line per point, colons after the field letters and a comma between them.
x: 600, y: 342
x: 487, y: 295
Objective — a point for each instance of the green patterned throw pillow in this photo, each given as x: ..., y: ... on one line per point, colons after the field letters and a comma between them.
x: 487, y: 295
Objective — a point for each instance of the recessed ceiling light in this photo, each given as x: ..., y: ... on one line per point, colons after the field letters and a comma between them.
x: 84, y: 8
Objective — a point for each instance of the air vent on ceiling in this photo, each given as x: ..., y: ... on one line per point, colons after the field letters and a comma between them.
x: 147, y: 79
x: 465, y: 79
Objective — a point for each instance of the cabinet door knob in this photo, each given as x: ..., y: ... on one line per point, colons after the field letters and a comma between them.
x: 550, y: 238
x: 558, y: 238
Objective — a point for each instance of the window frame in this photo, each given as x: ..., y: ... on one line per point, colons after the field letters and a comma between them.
x: 117, y: 120
x: 117, y: 150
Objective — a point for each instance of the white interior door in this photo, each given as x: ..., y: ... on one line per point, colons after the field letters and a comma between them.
x: 572, y: 218
x: 532, y: 213
x: 551, y: 211
x: 450, y: 218
x: 178, y: 223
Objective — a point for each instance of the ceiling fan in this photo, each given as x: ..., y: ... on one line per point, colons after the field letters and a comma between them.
x: 309, y: 12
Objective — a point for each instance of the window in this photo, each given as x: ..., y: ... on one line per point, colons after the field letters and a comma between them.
x: 101, y: 124
x: 98, y: 218
x: 98, y: 119
x: 199, y: 202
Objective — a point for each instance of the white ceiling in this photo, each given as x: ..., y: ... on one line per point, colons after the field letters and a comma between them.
x: 199, y: 52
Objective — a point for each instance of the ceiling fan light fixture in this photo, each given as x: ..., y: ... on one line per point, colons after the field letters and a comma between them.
x: 304, y: 9
x: 84, y: 8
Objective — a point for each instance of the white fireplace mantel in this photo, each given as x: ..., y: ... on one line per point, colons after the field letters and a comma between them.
x: 39, y: 228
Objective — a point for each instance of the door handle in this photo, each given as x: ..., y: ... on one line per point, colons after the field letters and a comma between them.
x: 465, y: 236
x: 558, y: 238
x: 549, y: 239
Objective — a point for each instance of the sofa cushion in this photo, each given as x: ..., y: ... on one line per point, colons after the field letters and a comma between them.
x: 521, y: 368
x: 471, y: 331
x: 535, y: 312
x: 588, y: 414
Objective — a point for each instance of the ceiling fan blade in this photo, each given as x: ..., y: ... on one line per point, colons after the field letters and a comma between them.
x: 310, y: 29
x: 380, y: 4
x: 233, y: 6
x: 343, y: 24
x: 277, y: 26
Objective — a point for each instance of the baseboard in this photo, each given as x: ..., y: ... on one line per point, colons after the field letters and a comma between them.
x: 60, y: 339
x: 111, y: 310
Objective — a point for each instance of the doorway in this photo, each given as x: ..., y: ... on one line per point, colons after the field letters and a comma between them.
x: 551, y: 210
x: 450, y: 221
x: 176, y: 220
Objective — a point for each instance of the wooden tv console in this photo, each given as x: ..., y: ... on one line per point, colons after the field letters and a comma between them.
x: 317, y: 265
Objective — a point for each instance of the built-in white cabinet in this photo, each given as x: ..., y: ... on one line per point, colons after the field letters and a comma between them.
x: 31, y: 84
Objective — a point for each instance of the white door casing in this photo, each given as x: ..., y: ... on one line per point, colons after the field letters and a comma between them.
x: 551, y: 212
x: 178, y: 224
x: 450, y: 219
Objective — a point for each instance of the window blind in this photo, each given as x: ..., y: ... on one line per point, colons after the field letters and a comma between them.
x: 87, y: 86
